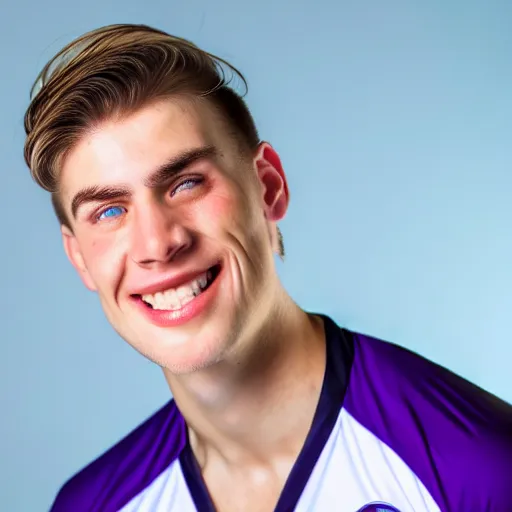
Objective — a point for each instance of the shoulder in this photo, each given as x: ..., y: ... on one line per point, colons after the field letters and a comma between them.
x: 124, y: 470
x: 456, y: 436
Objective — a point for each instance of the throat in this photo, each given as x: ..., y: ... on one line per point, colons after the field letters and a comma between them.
x: 270, y: 412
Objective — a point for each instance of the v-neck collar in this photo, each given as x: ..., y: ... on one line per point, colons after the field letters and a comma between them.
x: 339, y: 357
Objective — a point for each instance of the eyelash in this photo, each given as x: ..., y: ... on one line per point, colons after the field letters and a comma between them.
x: 195, y: 181
x: 97, y: 216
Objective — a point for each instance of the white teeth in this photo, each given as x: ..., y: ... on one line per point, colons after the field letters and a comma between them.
x: 204, y: 279
x: 159, y: 299
x: 183, y: 292
x: 196, y: 287
x: 171, y: 299
x: 176, y: 298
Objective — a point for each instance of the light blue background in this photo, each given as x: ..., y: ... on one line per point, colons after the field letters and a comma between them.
x: 394, y: 122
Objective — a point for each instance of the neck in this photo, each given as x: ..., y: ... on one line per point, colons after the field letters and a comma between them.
x: 259, y: 403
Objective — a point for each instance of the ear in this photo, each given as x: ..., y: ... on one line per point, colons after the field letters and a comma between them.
x: 74, y: 255
x: 275, y: 194
x: 271, y: 175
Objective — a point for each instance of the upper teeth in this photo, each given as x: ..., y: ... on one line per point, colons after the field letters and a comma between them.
x: 176, y: 298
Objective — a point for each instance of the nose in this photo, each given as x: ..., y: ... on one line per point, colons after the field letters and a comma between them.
x: 157, y: 238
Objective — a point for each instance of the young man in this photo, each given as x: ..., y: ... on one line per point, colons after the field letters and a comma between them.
x: 169, y: 204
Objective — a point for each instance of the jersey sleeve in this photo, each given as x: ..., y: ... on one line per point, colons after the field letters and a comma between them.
x: 455, y: 436
x: 114, y: 478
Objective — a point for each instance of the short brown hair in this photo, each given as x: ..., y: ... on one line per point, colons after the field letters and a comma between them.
x: 116, y: 70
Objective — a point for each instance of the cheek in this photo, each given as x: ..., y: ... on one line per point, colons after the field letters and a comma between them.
x: 227, y: 211
x: 212, y: 214
x: 103, y: 258
x: 218, y: 210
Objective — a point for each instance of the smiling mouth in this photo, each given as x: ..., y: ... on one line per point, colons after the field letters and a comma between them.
x: 174, y: 299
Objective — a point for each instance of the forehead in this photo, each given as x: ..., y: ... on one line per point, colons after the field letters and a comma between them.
x: 127, y: 149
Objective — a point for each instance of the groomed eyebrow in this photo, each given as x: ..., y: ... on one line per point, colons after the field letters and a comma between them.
x: 96, y: 194
x: 160, y: 177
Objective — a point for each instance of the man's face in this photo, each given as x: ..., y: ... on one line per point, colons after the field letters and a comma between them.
x: 175, y: 230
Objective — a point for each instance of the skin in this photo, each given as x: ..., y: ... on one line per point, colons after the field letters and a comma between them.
x: 247, y: 372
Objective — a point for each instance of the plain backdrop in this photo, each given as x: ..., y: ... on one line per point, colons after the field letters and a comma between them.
x: 394, y: 123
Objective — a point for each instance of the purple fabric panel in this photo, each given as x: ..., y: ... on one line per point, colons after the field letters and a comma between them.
x: 456, y: 437
x: 112, y: 480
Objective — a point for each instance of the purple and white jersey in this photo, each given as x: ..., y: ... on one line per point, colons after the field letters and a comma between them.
x: 392, y: 432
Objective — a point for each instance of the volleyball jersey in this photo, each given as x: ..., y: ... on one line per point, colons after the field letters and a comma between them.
x: 392, y: 432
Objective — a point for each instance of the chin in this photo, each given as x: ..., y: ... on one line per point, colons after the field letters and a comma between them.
x: 183, y: 353
x: 187, y: 366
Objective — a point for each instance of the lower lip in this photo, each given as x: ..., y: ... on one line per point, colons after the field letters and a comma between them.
x: 191, y: 310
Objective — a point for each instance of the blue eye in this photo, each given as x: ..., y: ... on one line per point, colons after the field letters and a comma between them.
x: 187, y: 184
x: 112, y: 211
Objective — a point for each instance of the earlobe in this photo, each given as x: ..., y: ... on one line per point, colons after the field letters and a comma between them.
x: 74, y: 255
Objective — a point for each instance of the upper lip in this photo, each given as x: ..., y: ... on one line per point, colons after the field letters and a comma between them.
x: 174, y: 281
